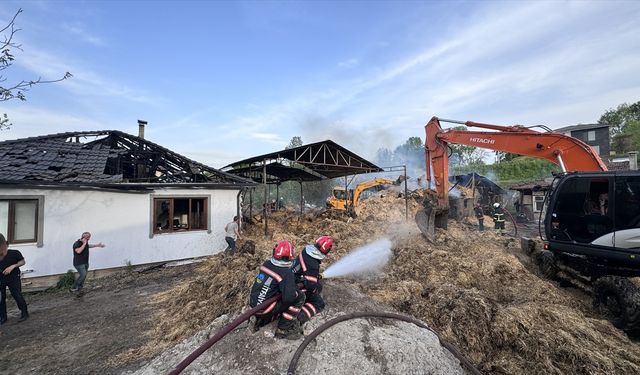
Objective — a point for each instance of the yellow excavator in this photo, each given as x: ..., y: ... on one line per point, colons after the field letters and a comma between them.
x: 343, y: 199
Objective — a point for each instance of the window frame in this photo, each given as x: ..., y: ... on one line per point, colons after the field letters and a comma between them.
x: 591, y: 133
x: 39, y: 232
x: 535, y: 202
x: 152, y: 216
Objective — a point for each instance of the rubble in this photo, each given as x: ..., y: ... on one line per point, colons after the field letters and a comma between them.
x: 475, y: 288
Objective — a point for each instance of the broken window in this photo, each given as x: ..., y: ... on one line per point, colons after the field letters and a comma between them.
x: 19, y: 220
x: 180, y: 214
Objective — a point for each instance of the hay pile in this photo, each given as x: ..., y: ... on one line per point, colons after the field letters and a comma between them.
x: 467, y: 285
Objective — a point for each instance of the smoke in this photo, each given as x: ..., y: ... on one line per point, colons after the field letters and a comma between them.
x: 368, y: 259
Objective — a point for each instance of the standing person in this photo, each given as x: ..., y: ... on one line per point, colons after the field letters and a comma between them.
x: 306, y: 268
x: 275, y: 276
x: 81, y: 260
x: 10, y: 263
x: 479, y: 215
x: 231, y: 236
x: 498, y: 218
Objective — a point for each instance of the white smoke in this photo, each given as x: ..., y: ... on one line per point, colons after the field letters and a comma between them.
x: 370, y: 258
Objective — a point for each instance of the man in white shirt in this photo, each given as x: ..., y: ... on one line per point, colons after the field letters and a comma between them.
x: 231, y: 236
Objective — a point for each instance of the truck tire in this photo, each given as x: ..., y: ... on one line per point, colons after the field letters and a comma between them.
x: 547, y: 263
x: 620, y: 299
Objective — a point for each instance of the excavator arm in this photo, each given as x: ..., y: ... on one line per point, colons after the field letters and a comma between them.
x: 367, y: 185
x: 569, y: 153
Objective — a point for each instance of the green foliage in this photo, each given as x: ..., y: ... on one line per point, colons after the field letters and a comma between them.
x: 625, y: 126
x: 66, y: 280
x: 522, y: 168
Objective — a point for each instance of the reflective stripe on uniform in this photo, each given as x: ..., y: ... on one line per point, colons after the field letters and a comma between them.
x: 311, y: 307
x: 311, y: 278
x: 287, y: 316
x: 302, y: 264
x: 277, y: 277
x: 306, y: 311
x: 267, y: 310
x: 294, y: 309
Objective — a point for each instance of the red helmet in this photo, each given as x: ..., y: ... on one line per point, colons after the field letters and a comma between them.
x: 324, y: 244
x: 283, y: 250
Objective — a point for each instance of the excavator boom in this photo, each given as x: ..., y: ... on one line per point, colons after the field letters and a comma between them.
x: 569, y: 153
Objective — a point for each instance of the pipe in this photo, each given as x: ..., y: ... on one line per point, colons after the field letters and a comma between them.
x: 366, y: 314
x: 223, y: 332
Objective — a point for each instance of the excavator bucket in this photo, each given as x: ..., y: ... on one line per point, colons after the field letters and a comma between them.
x: 432, y: 216
x: 425, y: 219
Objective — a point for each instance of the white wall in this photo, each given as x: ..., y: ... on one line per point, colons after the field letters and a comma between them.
x: 122, y: 222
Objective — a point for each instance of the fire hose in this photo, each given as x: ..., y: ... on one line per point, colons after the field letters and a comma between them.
x: 294, y: 361
x: 223, y: 332
x: 364, y: 314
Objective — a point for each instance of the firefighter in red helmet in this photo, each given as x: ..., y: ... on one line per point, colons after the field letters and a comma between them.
x: 275, y: 276
x: 306, y: 268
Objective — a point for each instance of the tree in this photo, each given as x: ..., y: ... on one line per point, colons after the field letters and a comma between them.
x: 14, y: 89
x: 624, y: 122
x: 295, y: 142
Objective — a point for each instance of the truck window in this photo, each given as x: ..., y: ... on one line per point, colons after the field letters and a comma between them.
x: 627, y: 202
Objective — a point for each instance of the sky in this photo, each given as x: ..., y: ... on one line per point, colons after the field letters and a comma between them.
x: 220, y: 81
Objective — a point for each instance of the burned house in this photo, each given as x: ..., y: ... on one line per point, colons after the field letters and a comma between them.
x: 146, y: 203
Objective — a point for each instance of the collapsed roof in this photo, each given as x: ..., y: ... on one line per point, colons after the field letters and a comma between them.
x: 107, y: 157
x: 310, y: 162
x: 480, y: 182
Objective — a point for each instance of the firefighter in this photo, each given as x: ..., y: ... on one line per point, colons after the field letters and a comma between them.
x: 275, y: 276
x: 479, y: 215
x: 306, y: 268
x: 498, y: 218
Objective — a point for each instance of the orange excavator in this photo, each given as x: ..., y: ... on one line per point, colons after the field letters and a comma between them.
x: 592, y: 216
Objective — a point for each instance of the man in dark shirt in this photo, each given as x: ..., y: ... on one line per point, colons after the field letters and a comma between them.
x: 81, y: 260
x: 10, y: 261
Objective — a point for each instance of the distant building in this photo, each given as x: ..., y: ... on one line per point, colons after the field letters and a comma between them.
x: 595, y: 135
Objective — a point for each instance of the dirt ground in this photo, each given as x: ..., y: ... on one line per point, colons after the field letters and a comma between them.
x: 70, y: 335
x: 478, y: 290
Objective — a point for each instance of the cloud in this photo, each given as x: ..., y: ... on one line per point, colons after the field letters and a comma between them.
x: 351, y: 63
x: 84, y: 35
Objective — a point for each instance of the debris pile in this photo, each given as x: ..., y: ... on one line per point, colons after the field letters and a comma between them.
x: 476, y: 289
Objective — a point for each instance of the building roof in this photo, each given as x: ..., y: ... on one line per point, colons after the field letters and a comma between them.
x: 543, y: 184
x: 579, y: 127
x: 107, y: 157
x: 324, y: 159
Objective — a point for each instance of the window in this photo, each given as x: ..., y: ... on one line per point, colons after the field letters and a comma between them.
x: 19, y: 220
x: 591, y: 135
x: 180, y: 214
x: 538, y: 201
x: 627, y: 202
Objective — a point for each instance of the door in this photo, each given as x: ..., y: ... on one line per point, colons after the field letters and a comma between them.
x: 627, y: 213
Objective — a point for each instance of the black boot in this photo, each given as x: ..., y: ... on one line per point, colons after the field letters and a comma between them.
x: 293, y: 332
x: 24, y: 316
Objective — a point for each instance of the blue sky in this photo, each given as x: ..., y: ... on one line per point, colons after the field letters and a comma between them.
x: 223, y: 81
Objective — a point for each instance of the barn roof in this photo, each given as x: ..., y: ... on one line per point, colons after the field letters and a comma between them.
x: 319, y: 160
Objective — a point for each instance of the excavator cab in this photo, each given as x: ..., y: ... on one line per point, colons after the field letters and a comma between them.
x: 597, y: 216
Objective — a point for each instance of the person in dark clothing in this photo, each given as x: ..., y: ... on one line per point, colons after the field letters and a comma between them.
x: 498, y: 218
x: 10, y: 263
x: 479, y: 215
x: 81, y: 260
x: 275, y: 276
x: 306, y: 268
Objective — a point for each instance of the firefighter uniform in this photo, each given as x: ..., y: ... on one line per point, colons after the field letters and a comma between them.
x: 276, y: 277
x: 306, y: 268
x: 498, y: 219
x: 480, y: 216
